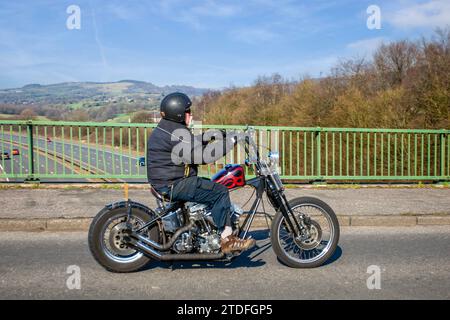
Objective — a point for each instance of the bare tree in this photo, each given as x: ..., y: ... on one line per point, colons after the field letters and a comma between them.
x: 27, y: 114
x: 394, y: 60
x: 77, y: 115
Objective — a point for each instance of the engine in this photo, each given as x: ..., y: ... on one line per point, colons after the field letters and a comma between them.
x: 204, y: 237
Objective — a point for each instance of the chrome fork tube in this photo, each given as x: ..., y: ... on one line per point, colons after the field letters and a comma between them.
x: 249, y: 223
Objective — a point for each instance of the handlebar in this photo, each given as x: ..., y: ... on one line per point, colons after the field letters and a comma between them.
x: 249, y: 142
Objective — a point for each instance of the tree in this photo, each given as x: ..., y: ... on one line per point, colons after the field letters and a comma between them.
x: 27, y: 114
x: 405, y: 84
x: 79, y: 115
x: 394, y: 60
x: 142, y: 117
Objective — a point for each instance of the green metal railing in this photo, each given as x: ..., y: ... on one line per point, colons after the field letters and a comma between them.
x: 67, y: 151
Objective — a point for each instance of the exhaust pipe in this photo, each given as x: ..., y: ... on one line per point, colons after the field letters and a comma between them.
x: 172, y: 257
x: 156, y: 245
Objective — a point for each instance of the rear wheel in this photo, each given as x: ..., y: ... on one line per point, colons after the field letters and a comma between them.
x: 316, y: 245
x: 106, y: 239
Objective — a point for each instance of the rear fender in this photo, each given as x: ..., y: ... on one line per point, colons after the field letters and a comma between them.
x: 123, y: 204
x: 156, y: 235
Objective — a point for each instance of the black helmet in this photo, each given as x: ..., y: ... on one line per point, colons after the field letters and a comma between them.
x: 175, y: 105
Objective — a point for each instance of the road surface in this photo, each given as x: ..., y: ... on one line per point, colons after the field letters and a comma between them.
x: 414, y: 264
x: 91, y: 156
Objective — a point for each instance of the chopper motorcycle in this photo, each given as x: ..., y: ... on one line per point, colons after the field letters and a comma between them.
x: 125, y: 235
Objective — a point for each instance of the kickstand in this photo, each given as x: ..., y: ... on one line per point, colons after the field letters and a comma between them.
x: 171, y: 265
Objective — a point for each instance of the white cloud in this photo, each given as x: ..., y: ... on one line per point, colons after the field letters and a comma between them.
x: 434, y: 13
x: 366, y: 46
x: 123, y: 12
x: 214, y: 9
x: 98, y: 41
x: 192, y: 14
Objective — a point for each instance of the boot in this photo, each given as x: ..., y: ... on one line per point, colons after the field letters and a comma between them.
x: 233, y: 243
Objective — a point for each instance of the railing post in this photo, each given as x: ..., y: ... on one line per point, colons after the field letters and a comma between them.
x: 443, y: 163
x: 447, y: 164
x: 31, y: 174
x: 318, y: 163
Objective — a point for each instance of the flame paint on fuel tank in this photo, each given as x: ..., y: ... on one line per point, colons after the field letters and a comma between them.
x: 231, y: 176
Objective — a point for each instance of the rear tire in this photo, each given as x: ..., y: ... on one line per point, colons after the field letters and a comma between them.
x: 97, y: 245
x: 277, y: 225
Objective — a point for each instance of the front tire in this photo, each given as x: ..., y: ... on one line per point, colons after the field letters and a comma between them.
x: 311, y: 252
x: 108, y: 251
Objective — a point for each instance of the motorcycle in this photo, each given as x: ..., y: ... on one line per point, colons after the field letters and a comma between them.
x: 125, y: 235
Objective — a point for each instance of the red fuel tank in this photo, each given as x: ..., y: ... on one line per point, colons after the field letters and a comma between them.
x: 231, y: 176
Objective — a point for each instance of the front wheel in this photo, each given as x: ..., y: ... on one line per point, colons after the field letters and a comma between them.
x: 316, y: 244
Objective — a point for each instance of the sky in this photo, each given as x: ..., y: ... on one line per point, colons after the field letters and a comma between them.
x: 203, y: 43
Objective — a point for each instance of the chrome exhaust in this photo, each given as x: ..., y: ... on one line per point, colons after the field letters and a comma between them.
x: 156, y: 245
x: 172, y: 257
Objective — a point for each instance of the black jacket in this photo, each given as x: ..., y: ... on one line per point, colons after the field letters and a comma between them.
x: 163, y: 147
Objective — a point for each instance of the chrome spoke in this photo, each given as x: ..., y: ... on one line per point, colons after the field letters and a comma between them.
x: 309, y: 249
x: 289, y: 246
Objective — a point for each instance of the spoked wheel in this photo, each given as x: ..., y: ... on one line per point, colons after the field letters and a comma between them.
x: 106, y: 239
x: 316, y: 244
x: 113, y: 244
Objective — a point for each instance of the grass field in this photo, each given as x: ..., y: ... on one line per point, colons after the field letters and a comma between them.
x: 116, y: 88
x: 13, y: 116
x: 76, y: 105
x: 7, y: 116
x: 121, y: 118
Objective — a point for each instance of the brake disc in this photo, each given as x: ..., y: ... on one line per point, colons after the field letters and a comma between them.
x: 314, y: 238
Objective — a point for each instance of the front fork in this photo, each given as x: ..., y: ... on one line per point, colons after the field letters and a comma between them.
x: 297, y: 226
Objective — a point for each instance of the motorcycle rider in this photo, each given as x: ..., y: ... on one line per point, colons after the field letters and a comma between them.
x: 174, y: 176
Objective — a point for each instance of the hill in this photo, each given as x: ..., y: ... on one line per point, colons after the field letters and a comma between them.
x: 100, y: 92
